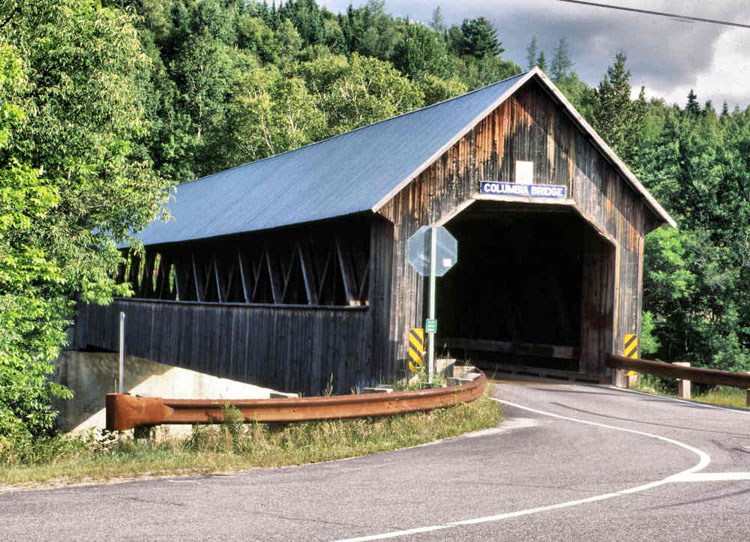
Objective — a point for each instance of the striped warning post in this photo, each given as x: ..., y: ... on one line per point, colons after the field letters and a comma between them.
x: 416, y: 348
x: 631, y: 346
x: 631, y: 349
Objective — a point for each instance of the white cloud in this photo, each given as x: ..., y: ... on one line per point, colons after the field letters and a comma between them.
x: 666, y: 55
x: 726, y: 78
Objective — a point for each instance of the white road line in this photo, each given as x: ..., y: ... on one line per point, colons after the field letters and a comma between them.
x: 705, y: 459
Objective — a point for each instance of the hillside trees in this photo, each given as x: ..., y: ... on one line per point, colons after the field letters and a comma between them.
x: 696, y: 276
x: 208, y: 55
x: 75, y: 179
x: 563, y: 74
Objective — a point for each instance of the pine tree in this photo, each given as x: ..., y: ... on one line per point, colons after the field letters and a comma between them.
x: 614, y: 117
x: 480, y: 38
x: 437, y: 23
x: 542, y: 62
x: 306, y: 17
x: 693, y: 107
x: 708, y: 109
x: 531, y: 52
x: 561, y: 62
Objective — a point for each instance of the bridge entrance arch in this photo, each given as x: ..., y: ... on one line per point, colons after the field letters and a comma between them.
x: 534, y: 288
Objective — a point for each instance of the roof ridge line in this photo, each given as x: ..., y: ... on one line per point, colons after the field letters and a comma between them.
x: 353, y: 130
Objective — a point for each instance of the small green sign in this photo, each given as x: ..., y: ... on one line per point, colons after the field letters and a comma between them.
x: 430, y: 325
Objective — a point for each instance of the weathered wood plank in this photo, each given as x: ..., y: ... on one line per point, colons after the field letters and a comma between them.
x: 530, y: 126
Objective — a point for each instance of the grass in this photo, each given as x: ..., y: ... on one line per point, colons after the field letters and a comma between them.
x: 232, y: 446
x: 715, y: 395
x: 722, y: 395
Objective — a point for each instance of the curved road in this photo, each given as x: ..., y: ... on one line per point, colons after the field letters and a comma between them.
x: 569, y: 462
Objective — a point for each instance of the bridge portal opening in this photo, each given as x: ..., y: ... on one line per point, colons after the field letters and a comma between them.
x: 533, y: 288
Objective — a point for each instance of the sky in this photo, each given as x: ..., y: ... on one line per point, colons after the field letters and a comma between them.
x: 667, y: 56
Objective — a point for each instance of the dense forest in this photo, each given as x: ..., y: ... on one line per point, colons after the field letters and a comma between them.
x: 106, y: 104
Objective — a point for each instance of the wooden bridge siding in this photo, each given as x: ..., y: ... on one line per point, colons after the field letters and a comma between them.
x: 528, y: 126
x: 289, y: 349
x: 381, y: 349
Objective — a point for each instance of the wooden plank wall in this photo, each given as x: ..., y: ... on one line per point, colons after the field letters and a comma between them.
x: 238, y: 319
x: 528, y: 126
x: 288, y: 349
x: 382, y: 349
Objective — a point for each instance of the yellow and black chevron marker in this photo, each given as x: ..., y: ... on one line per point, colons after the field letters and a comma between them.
x: 631, y: 348
x: 416, y: 348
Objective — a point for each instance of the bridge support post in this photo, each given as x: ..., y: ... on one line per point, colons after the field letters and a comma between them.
x: 683, y: 386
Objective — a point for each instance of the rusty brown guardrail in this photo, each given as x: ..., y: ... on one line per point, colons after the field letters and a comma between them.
x: 125, y: 411
x: 693, y: 374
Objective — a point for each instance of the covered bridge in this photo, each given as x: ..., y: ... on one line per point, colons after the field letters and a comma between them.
x: 292, y: 271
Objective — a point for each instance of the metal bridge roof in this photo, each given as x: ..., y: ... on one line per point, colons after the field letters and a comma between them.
x: 352, y: 172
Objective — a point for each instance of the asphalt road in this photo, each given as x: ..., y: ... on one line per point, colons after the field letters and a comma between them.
x: 587, y: 463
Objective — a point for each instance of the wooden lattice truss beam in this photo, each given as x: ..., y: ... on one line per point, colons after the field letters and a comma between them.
x: 322, y: 266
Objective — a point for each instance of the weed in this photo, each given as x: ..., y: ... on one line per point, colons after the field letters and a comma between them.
x: 232, y: 427
x: 233, y: 445
x: 420, y: 379
x: 328, y: 391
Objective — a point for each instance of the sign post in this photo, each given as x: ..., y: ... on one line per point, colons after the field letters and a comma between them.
x: 432, y: 251
x: 430, y: 331
x: 121, y: 387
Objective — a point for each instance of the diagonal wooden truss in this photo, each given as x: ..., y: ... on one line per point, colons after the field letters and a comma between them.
x: 317, y: 266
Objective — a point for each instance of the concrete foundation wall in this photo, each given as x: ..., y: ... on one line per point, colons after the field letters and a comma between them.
x: 91, y: 375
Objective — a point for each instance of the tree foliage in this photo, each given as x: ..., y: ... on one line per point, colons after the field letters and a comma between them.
x: 476, y: 38
x: 698, y: 166
x: 615, y: 117
x: 561, y: 62
x: 74, y: 181
x: 697, y: 277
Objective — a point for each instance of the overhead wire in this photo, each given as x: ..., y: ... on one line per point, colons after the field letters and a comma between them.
x: 660, y: 13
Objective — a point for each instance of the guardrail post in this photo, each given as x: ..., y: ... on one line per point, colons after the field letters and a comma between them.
x: 143, y: 433
x: 683, y: 386
x: 631, y: 380
x: 618, y: 378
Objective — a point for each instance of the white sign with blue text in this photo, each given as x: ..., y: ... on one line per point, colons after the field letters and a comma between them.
x: 524, y: 190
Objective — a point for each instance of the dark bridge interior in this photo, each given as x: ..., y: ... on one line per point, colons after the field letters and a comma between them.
x: 515, y: 295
